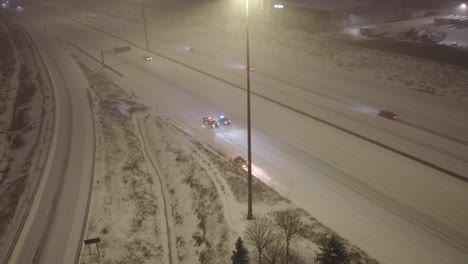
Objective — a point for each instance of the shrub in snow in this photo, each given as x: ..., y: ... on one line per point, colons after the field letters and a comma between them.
x: 332, y: 251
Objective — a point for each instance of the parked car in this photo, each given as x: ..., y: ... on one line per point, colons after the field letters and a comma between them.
x: 210, y: 122
x: 388, y: 114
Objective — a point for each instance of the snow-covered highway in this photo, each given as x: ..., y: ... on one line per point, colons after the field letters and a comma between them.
x: 53, y: 230
x: 396, y: 209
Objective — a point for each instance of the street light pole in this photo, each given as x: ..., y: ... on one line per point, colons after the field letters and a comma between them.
x: 249, y: 141
x: 144, y: 24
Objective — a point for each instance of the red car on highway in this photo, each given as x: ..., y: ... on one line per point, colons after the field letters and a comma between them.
x: 388, y: 114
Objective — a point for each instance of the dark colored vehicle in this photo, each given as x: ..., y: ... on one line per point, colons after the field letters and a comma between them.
x: 241, y: 162
x: 388, y: 114
x: 222, y: 119
x: 210, y: 122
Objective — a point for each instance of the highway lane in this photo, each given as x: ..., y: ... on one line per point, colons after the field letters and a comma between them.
x: 323, y: 95
x: 414, y: 204
x: 288, y: 65
x: 426, y: 144
x: 53, y: 230
x: 164, y: 88
x: 300, y: 185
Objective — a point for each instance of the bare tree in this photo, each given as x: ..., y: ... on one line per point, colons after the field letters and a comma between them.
x: 290, y: 224
x: 274, y: 252
x: 259, y: 234
x: 295, y: 258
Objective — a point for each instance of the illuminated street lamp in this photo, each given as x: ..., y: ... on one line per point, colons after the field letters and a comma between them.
x: 463, y: 6
x: 249, y: 139
x: 278, y: 6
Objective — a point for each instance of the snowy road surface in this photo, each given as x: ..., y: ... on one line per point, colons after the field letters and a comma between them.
x: 53, y: 230
x: 396, y: 209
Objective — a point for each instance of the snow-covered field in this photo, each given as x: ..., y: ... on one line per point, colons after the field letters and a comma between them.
x: 26, y: 122
x: 451, y: 33
x: 396, y: 209
x: 162, y: 196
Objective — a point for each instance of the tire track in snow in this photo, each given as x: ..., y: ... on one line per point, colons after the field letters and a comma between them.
x: 332, y: 98
x: 164, y: 192
x: 224, y: 191
x: 421, y: 219
x: 351, y: 106
x: 448, y: 137
x: 430, y: 131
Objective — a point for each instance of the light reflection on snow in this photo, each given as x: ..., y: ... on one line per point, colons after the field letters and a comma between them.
x: 188, y: 48
x: 230, y: 131
x: 354, y: 31
x: 365, y: 109
x: 235, y: 65
x: 232, y: 136
x: 123, y: 108
x: 261, y: 174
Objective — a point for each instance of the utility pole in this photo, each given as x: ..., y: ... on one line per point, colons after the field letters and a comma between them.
x: 144, y: 24
x: 249, y: 139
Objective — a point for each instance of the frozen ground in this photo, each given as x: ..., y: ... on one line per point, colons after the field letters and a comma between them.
x: 26, y: 122
x: 388, y: 201
x: 161, y: 196
x: 392, y: 29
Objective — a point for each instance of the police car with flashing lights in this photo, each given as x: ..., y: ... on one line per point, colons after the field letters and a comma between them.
x: 210, y: 122
x: 224, y: 120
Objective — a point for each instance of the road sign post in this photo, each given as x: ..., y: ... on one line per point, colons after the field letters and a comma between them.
x: 114, y: 50
x: 122, y: 49
x: 96, y: 241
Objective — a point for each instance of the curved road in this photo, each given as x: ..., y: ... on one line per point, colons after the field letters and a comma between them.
x: 53, y: 230
x: 394, y: 208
